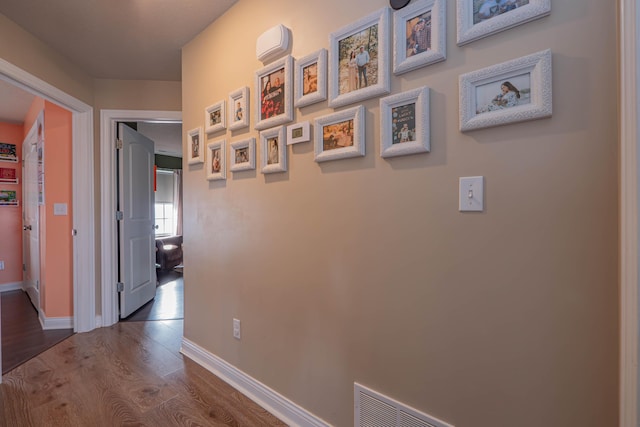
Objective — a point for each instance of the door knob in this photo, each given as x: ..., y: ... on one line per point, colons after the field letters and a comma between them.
x: 26, y: 227
x: 155, y: 227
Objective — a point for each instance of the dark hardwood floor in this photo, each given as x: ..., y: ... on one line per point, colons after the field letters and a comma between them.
x: 168, y: 303
x: 128, y: 374
x: 22, y: 335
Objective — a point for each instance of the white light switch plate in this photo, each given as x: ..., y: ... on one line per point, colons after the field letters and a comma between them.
x: 471, y: 194
x: 59, y: 208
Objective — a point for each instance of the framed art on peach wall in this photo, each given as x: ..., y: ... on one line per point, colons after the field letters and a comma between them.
x: 274, y: 95
x: 404, y: 123
x: 215, y: 117
x: 340, y: 135
x: 273, y: 150
x: 216, y: 160
x: 239, y: 108
x: 243, y: 155
x: 310, y: 85
x: 194, y: 146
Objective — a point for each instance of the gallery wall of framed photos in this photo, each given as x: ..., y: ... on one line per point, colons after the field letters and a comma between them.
x: 353, y: 234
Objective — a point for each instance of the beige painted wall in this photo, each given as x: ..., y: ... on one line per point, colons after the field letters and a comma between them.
x: 364, y: 270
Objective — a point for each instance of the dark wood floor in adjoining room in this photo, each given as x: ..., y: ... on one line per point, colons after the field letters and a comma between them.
x: 128, y: 374
x: 168, y: 303
x: 22, y: 334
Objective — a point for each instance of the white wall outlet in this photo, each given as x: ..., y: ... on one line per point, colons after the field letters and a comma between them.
x: 471, y: 194
x: 1, y: 265
x: 236, y: 329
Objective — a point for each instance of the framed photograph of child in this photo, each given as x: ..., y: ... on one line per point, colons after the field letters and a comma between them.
x: 510, y: 92
x: 481, y: 18
x: 195, y: 140
x: 340, y: 135
x: 405, y: 124
x: 419, y: 37
x: 310, y: 84
x: 215, y: 117
x: 359, y: 60
x: 239, y: 108
x: 273, y: 150
x: 274, y: 95
x: 243, y: 155
x: 216, y: 161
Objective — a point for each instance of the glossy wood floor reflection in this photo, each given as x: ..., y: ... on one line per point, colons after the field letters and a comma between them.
x: 129, y: 374
x: 22, y: 334
x: 168, y: 303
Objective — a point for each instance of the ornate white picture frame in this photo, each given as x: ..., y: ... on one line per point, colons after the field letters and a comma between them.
x: 366, y: 42
x: 274, y: 94
x: 216, y: 162
x: 510, y: 92
x: 273, y: 150
x: 405, y: 123
x: 340, y: 135
x: 215, y: 117
x: 243, y: 155
x: 420, y: 36
x: 477, y: 19
x: 195, y: 141
x: 310, y: 84
x: 239, y: 108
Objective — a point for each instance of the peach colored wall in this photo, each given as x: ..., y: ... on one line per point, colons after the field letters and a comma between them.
x: 10, y: 216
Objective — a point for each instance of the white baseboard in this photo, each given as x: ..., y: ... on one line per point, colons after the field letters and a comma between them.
x: 12, y: 286
x: 55, y: 322
x: 272, y: 401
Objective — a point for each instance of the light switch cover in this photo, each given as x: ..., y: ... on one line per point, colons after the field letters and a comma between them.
x: 471, y: 194
x: 60, y: 209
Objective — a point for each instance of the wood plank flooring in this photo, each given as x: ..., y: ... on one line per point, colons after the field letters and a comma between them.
x: 22, y: 335
x: 129, y: 374
x: 168, y: 303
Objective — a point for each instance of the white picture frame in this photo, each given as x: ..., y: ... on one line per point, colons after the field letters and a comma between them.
x: 195, y: 141
x: 273, y: 150
x: 477, y: 108
x: 298, y: 132
x: 308, y: 91
x: 239, y: 108
x: 216, y: 162
x: 340, y: 135
x: 243, y: 155
x: 273, y: 102
x: 215, y: 117
x: 405, y: 123
x: 410, y: 49
x: 472, y: 24
x: 350, y: 40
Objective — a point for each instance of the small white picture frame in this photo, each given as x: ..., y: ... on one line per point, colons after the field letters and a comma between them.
x: 405, y: 123
x: 195, y: 141
x: 310, y: 84
x: 273, y: 150
x: 420, y: 36
x: 340, y: 135
x: 216, y: 160
x: 215, y: 117
x: 243, y: 155
x: 274, y: 94
x: 367, y: 38
x: 298, y: 132
x: 478, y: 21
x: 514, y: 91
x: 239, y: 108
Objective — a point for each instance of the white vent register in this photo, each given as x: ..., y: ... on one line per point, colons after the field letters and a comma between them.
x: 373, y: 409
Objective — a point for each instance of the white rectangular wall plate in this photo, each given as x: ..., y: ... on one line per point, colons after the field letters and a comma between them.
x: 60, y: 209
x: 471, y: 194
x: 236, y: 328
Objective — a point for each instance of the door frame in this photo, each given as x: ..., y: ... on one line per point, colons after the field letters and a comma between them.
x: 629, y: 82
x: 83, y: 224
x: 108, y: 194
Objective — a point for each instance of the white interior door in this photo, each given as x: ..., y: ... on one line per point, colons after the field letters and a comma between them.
x: 30, y: 218
x: 137, y: 233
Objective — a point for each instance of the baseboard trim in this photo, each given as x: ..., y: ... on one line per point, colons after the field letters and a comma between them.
x: 11, y: 286
x: 272, y: 401
x: 49, y: 323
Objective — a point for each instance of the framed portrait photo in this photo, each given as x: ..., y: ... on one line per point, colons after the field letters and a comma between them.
x: 405, y: 124
x: 481, y: 18
x: 195, y: 140
x: 243, y: 155
x: 239, y: 108
x: 274, y: 94
x: 310, y: 84
x: 298, y: 132
x: 359, y: 60
x: 419, y: 37
x: 340, y: 135
x: 215, y: 117
x: 273, y: 150
x: 510, y: 92
x: 216, y: 161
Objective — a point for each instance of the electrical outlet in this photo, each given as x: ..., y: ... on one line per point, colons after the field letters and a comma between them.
x: 1, y: 265
x: 236, y: 329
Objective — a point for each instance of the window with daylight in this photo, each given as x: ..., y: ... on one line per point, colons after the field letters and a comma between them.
x: 165, y: 208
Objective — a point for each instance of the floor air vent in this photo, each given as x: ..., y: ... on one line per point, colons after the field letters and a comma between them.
x: 373, y: 409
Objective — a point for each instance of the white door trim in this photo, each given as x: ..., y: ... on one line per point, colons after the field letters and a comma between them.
x: 108, y: 119
x: 629, y: 188
x: 84, y: 268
